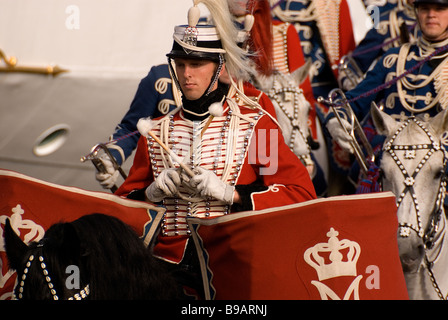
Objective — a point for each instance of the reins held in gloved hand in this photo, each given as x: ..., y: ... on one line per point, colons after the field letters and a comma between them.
x: 164, y: 186
x: 208, y: 185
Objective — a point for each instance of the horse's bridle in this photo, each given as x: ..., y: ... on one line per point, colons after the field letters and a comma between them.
x: 429, y: 233
x: 293, y: 118
x: 82, y: 294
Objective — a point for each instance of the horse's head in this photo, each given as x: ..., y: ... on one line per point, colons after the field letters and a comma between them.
x: 96, y: 256
x: 413, y: 166
x: 292, y: 109
x: 41, y: 266
x: 279, y: 80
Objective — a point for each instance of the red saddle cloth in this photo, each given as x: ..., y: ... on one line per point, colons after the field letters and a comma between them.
x: 34, y: 205
x: 341, y: 247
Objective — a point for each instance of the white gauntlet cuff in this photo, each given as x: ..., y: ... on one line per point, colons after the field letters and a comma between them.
x: 228, y: 194
x: 153, y: 193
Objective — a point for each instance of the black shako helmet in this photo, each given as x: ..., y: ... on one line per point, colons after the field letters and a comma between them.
x: 216, y: 41
x: 198, y: 42
x: 195, y: 41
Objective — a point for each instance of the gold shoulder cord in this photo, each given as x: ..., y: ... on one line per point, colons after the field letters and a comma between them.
x: 404, y: 51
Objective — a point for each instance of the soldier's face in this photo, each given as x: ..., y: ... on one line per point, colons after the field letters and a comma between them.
x: 194, y: 76
x: 433, y: 20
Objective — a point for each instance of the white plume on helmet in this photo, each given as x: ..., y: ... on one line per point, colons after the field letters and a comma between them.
x: 237, y: 61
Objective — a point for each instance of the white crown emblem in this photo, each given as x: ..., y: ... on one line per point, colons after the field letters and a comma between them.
x: 341, y: 255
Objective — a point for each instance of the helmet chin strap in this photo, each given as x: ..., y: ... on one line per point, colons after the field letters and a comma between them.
x: 216, y: 76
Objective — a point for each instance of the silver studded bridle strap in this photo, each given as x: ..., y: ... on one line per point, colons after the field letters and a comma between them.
x: 409, y: 180
x: 39, y: 258
x: 274, y: 94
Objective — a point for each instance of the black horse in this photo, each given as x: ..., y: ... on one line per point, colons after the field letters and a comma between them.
x: 94, y: 257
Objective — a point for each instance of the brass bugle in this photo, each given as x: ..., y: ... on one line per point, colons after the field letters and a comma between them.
x: 337, y: 101
x: 347, y: 66
x: 93, y: 156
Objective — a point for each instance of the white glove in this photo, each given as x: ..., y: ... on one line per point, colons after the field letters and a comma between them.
x: 107, y: 180
x: 209, y: 185
x: 165, y: 186
x: 339, y: 135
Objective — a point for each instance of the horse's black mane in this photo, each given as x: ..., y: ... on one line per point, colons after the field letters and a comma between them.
x: 110, y: 256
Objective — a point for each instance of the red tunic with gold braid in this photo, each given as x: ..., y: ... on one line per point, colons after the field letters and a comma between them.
x: 333, y: 40
x: 243, y: 146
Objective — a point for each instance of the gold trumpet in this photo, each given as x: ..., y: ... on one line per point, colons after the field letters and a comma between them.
x: 95, y: 158
x: 338, y: 103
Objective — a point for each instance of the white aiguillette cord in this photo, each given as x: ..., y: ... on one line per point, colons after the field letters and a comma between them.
x: 214, y: 112
x: 172, y: 154
x: 144, y: 126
